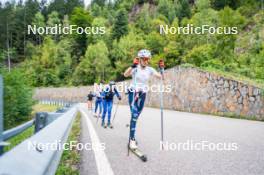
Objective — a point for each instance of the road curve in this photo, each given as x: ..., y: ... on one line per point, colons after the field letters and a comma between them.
x: 180, y: 128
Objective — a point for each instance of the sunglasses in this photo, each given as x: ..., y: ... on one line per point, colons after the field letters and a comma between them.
x: 145, y: 59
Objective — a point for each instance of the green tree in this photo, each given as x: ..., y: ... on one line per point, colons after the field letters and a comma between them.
x: 31, y: 8
x: 94, y: 66
x: 81, y: 18
x: 26, y: 18
x: 259, y: 64
x: 51, y: 65
x: 120, y: 27
x: 53, y: 19
x: 199, y: 54
x: 202, y: 4
x: 39, y: 21
x: 155, y: 42
x: 124, y: 50
x: 59, y: 6
x: 143, y: 20
x: 64, y: 61
x: 96, y: 10
x: 183, y: 9
x: 204, y: 16
x: 225, y: 44
x: 71, y: 4
x: 166, y: 8
x: 17, y: 97
x: 99, y: 2
x: 98, y: 56
x: 98, y: 23
x: 173, y: 54
x: 219, y: 4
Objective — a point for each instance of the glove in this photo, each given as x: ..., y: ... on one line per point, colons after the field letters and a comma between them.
x: 161, y: 64
x: 119, y: 98
x: 135, y: 63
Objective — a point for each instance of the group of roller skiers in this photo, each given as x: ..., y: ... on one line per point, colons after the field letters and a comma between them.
x: 104, y: 98
x: 141, y: 72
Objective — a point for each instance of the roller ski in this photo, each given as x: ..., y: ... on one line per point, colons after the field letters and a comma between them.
x: 132, y: 146
x: 103, y: 125
x: 109, y: 125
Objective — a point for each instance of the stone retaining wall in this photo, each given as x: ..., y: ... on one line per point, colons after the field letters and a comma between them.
x: 193, y: 90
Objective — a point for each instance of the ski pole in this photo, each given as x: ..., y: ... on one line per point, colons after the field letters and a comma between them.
x: 97, y: 118
x: 100, y: 111
x: 115, y: 111
x: 161, y: 69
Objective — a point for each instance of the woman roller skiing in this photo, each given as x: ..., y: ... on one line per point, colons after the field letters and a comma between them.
x: 141, y: 73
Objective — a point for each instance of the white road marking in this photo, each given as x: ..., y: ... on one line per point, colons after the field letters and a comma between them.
x: 102, y: 163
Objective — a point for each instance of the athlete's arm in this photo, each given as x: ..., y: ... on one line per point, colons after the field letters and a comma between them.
x: 156, y: 74
x: 128, y: 72
x: 117, y: 94
x: 161, y: 65
x: 103, y: 93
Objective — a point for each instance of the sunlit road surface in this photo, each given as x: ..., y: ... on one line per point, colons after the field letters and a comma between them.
x: 243, y: 142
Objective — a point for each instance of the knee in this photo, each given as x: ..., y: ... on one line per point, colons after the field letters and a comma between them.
x: 109, y: 111
x: 134, y: 116
x: 135, y: 112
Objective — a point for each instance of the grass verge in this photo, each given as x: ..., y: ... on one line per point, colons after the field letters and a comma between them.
x: 44, y: 108
x: 30, y: 131
x: 70, y: 160
x: 19, y: 138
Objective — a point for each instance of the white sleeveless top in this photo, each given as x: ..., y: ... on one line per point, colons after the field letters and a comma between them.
x: 140, y: 78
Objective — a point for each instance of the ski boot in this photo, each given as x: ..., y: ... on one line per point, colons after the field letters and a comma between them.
x: 109, y: 125
x: 133, y: 144
x: 103, y: 124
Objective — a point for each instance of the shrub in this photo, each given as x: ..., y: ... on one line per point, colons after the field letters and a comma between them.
x: 17, y: 98
x: 199, y: 54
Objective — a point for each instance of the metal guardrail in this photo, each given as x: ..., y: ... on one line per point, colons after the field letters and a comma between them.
x: 17, y: 130
x: 56, y: 128
x: 5, y: 135
x: 56, y: 102
x: 39, y: 162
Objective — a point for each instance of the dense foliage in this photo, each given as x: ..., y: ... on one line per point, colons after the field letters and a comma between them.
x: 17, y: 97
x: 59, y: 60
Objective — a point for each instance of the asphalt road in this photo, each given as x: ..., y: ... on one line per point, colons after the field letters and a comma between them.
x: 240, y: 145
